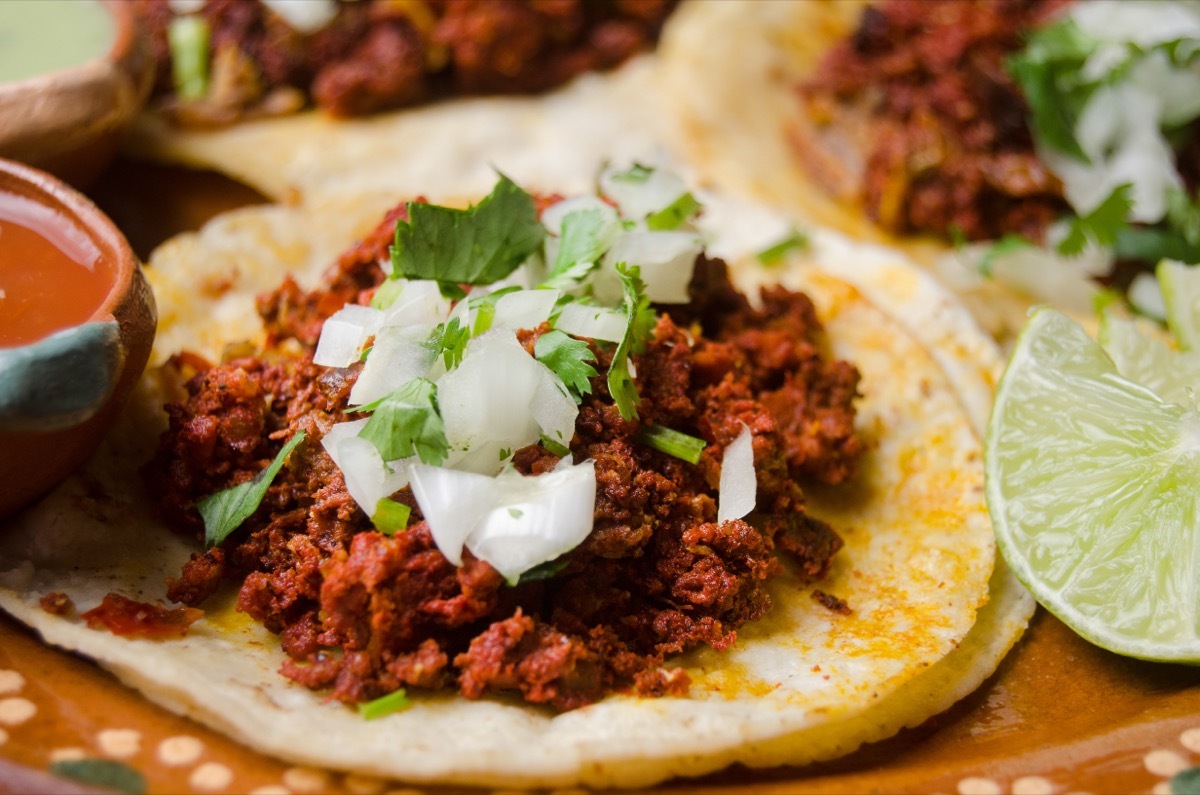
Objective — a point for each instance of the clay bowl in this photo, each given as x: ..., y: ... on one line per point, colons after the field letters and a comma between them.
x: 69, y: 121
x: 62, y: 389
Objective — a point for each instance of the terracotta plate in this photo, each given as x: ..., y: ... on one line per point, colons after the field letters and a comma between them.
x: 1059, y: 716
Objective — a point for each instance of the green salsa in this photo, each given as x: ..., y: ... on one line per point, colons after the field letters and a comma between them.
x: 39, y: 36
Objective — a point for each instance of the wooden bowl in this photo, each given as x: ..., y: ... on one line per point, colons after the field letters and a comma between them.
x: 69, y: 121
x: 60, y: 392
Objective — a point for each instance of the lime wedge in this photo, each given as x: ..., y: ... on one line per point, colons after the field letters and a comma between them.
x: 1145, y: 358
x: 1181, y: 295
x: 1093, y: 485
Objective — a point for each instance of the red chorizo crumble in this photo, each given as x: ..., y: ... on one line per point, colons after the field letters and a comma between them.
x: 362, y: 614
x: 57, y: 603
x: 950, y: 150
x: 381, y: 54
x: 121, y: 615
x: 831, y: 602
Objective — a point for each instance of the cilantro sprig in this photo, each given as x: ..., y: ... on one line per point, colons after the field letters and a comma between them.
x: 479, y: 245
x: 583, y: 243
x: 406, y: 422
x: 225, y: 511
x: 639, y: 328
x: 1102, y: 225
x: 568, y: 358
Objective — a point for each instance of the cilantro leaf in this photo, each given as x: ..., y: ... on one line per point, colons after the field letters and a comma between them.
x: 225, y: 511
x: 635, y: 173
x: 188, y: 40
x: 1102, y: 225
x: 1011, y: 242
x: 479, y: 245
x: 582, y: 245
x: 674, y: 214
x: 449, y: 340
x: 390, y: 517
x: 640, y: 320
x: 1049, y: 72
x: 544, y: 571
x: 795, y: 241
x: 568, y: 358
x: 384, y: 705
x: 485, y: 309
x: 406, y: 422
x: 107, y: 774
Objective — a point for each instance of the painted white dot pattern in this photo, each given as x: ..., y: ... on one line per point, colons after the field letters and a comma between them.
x: 180, y: 750
x: 1032, y: 785
x: 211, y: 776
x: 119, y: 743
x: 1161, y: 788
x: 11, y: 681
x: 67, y: 754
x: 305, y: 779
x: 1190, y: 739
x: 1162, y: 762
x: 271, y: 789
x: 15, y: 711
x: 976, y: 785
x: 364, y: 785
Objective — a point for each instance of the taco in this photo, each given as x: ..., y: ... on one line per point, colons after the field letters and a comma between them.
x: 985, y: 138
x: 782, y: 551
x: 221, y: 63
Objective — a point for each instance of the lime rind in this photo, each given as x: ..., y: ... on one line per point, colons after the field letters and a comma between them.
x: 1093, y: 483
x: 1180, y: 286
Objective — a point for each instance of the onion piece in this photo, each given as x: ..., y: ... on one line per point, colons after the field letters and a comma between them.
x: 666, y: 261
x: 305, y: 16
x: 592, y: 322
x: 552, y: 216
x: 487, y: 402
x: 420, y: 303
x: 639, y: 197
x: 738, y: 487
x: 368, y: 478
x: 344, y: 333
x: 511, y: 521
x: 525, y: 309
x: 400, y: 354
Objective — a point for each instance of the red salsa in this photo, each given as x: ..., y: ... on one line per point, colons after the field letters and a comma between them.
x: 52, y: 276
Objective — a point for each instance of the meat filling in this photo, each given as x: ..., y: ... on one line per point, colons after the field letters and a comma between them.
x: 362, y: 613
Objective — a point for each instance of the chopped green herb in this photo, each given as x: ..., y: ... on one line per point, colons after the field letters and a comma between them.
x: 387, y: 293
x: 636, y: 173
x: 1050, y: 73
x: 515, y: 513
x: 449, y: 340
x: 395, y: 701
x: 1006, y: 245
x: 390, y: 517
x: 582, y: 244
x: 568, y: 358
x: 543, y: 571
x: 106, y: 773
x: 1185, y: 782
x: 558, y: 448
x: 484, y: 307
x: 672, y: 442
x: 225, y: 511
x: 406, y: 422
x: 188, y: 39
x: 362, y: 357
x: 674, y: 214
x: 639, y: 327
x: 1102, y: 225
x: 774, y: 254
x: 479, y: 245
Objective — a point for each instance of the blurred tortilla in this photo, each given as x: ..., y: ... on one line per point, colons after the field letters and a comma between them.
x: 729, y: 73
x: 933, y: 610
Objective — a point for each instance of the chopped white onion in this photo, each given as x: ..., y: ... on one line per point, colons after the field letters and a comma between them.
x: 400, y: 354
x: 344, y: 333
x: 420, y: 303
x: 666, y: 261
x: 552, y: 216
x: 487, y: 402
x: 639, y: 198
x: 513, y: 522
x: 368, y: 478
x: 185, y: 6
x: 306, y: 16
x: 525, y: 309
x: 593, y: 322
x: 1145, y: 294
x: 738, y: 487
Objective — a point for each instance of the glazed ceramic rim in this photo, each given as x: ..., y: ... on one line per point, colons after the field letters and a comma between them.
x: 80, y: 211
